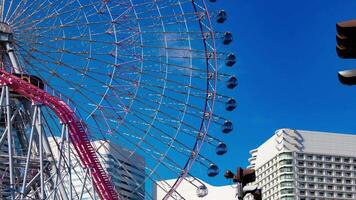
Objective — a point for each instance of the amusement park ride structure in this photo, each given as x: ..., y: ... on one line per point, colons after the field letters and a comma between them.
x: 42, y: 63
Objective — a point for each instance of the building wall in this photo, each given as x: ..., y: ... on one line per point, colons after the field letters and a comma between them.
x: 306, y: 165
x: 127, y: 170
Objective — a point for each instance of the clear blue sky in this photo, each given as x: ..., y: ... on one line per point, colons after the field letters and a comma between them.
x: 287, y: 71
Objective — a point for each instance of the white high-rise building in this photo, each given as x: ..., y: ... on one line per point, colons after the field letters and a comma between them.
x: 190, y: 192
x: 126, y: 170
x: 306, y: 165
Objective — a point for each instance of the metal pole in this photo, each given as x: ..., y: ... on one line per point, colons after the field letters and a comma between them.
x: 39, y: 129
x: 69, y: 163
x: 58, y: 166
x: 59, y: 161
x: 29, y: 152
x: 9, y: 142
x: 239, y: 191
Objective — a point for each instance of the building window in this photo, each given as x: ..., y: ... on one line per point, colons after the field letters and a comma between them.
x: 287, y: 191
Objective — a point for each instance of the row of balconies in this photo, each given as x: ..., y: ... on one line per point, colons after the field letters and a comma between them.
x: 326, y: 166
x: 327, y: 158
x: 305, y: 193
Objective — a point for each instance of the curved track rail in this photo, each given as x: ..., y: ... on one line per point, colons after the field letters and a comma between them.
x: 78, y: 135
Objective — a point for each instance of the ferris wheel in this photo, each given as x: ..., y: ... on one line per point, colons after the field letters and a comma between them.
x: 141, y: 78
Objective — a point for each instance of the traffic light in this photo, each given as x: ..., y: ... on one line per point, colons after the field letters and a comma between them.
x: 244, y: 177
x: 346, y: 48
x: 346, y: 39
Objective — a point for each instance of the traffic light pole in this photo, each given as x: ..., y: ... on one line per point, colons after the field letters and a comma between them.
x: 239, y: 191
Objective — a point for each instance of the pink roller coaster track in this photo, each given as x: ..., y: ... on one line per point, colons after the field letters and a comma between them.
x: 78, y: 135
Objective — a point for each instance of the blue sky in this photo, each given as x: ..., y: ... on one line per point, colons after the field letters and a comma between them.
x: 287, y: 71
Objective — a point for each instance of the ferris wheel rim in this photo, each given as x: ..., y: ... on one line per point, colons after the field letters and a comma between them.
x: 197, y: 146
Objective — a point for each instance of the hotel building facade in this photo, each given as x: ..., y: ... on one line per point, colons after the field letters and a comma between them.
x: 306, y: 165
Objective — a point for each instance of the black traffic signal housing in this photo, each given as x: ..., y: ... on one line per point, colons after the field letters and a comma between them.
x: 346, y: 48
x: 346, y: 39
x: 244, y: 177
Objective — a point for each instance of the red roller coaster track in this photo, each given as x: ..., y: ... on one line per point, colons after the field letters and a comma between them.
x: 78, y: 135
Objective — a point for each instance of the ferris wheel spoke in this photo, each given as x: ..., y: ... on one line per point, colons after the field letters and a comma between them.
x: 167, y: 97
x: 160, y: 130
x: 59, y: 11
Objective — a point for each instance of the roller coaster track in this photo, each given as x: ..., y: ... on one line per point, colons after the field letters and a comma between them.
x: 78, y: 135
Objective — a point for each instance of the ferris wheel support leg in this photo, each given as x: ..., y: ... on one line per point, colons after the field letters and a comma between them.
x: 58, y: 166
x: 9, y: 142
x: 28, y: 153
x: 40, y: 132
x: 69, y: 162
x: 47, y: 151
